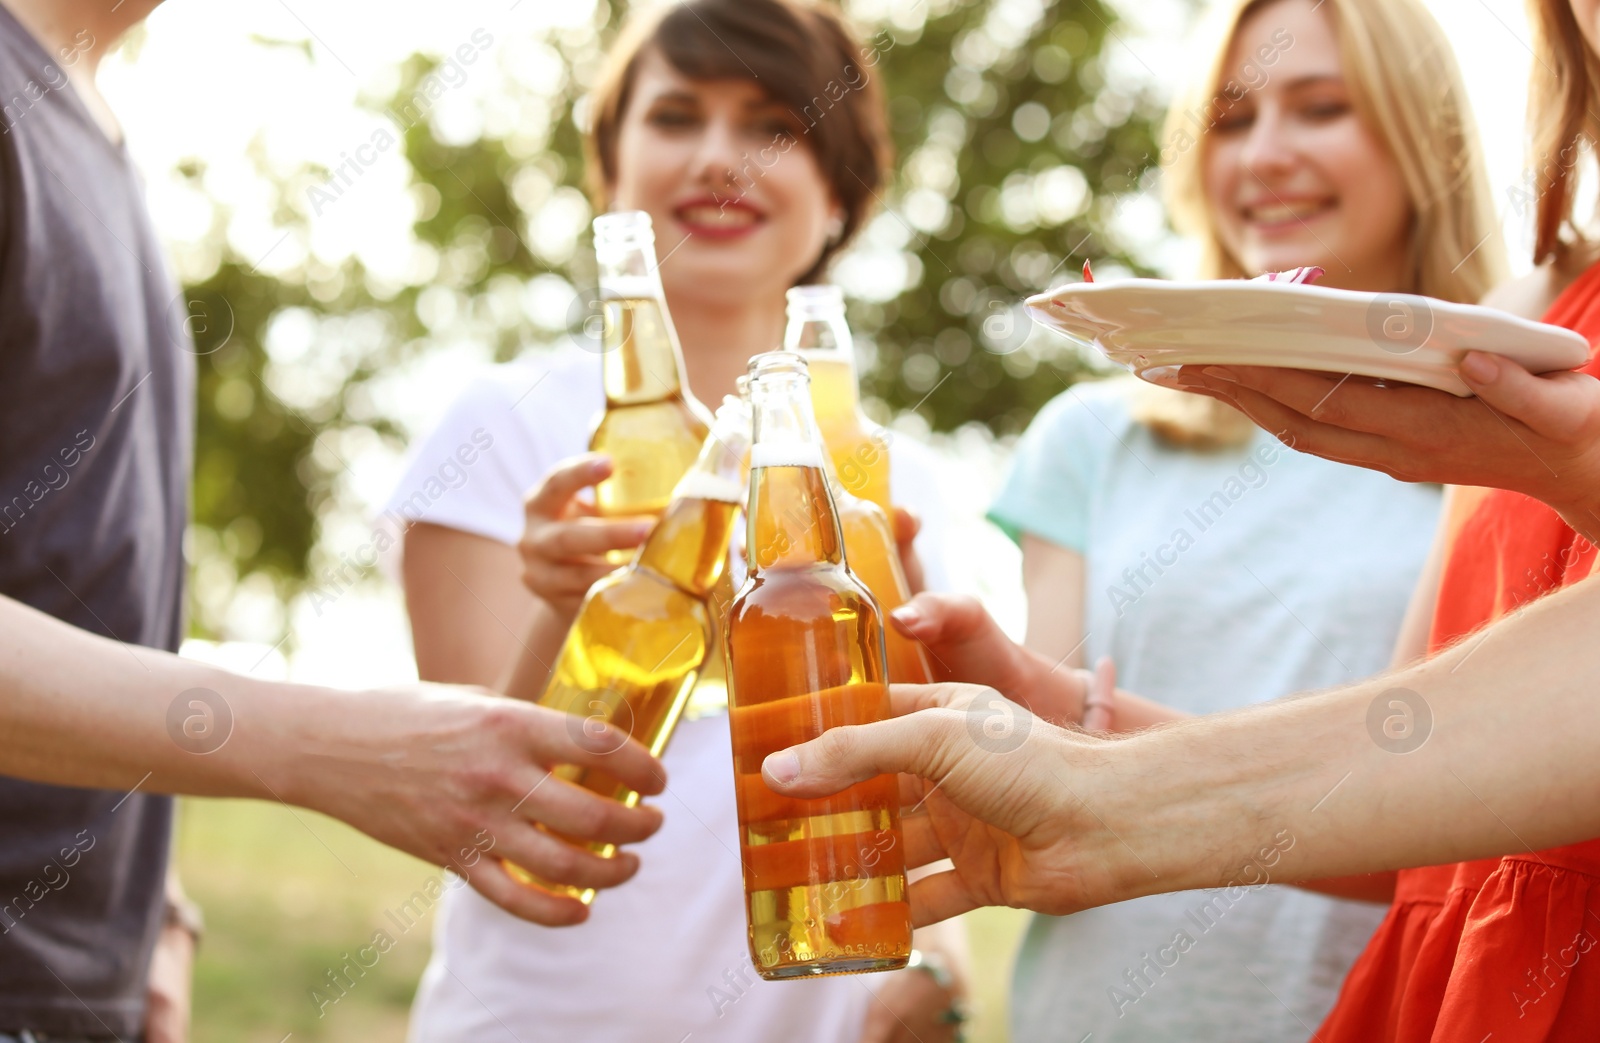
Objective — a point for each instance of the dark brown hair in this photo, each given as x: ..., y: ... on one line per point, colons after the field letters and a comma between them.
x: 802, y: 54
x: 1561, y: 120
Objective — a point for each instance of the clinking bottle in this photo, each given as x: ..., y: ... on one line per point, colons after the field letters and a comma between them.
x: 817, y: 330
x: 825, y: 885
x: 652, y: 426
x: 643, y: 633
x: 859, y: 456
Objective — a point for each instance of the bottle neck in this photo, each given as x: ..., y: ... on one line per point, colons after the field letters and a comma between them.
x: 642, y: 360
x: 824, y: 330
x: 793, y: 521
x: 824, y: 340
x: 689, y: 546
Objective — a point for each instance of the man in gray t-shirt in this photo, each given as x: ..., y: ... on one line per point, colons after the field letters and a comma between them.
x: 96, y: 424
x: 96, y: 416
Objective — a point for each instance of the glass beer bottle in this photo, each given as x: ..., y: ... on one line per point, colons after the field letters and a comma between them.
x: 652, y: 426
x: 825, y: 885
x: 860, y: 456
x: 817, y: 330
x: 643, y: 632
x: 875, y: 559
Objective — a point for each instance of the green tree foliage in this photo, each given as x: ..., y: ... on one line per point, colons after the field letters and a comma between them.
x: 1014, y: 154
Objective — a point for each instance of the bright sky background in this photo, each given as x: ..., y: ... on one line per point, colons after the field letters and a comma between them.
x: 202, y: 86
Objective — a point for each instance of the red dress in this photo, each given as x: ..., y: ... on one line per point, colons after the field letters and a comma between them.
x: 1503, y: 950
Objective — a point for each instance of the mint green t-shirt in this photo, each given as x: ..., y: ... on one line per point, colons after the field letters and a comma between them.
x: 1215, y: 580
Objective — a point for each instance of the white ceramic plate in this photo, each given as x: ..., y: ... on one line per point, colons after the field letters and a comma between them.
x: 1144, y: 323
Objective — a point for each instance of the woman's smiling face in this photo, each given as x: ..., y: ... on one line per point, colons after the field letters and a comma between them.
x: 740, y: 208
x: 1292, y: 174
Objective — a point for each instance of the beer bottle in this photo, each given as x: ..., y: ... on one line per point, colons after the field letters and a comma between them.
x: 860, y: 473
x: 652, y: 426
x: 817, y: 330
x: 824, y: 879
x: 643, y: 632
x: 875, y: 559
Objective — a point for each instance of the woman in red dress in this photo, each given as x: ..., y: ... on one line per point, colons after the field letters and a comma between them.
x: 1500, y: 945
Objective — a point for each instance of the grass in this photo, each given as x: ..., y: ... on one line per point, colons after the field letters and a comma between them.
x: 287, y: 894
x: 290, y: 895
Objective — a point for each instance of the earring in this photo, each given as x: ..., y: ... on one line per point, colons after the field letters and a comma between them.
x: 835, y: 230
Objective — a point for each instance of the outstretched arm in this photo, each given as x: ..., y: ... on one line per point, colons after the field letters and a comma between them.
x: 446, y: 774
x: 1484, y: 750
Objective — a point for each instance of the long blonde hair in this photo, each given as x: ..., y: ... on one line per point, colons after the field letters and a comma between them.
x: 1406, y: 88
x: 1562, y: 96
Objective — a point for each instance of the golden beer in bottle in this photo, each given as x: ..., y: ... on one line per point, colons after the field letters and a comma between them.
x: 652, y: 426
x: 875, y: 559
x: 817, y: 330
x: 824, y: 879
x: 642, y: 633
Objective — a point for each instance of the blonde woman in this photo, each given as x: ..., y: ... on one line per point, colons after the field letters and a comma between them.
x: 1216, y: 567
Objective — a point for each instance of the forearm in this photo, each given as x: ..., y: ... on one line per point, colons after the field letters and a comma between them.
x: 81, y: 710
x: 1367, y: 887
x: 1411, y: 643
x: 1131, y: 713
x: 1507, y: 765
x: 1057, y: 693
x: 528, y: 672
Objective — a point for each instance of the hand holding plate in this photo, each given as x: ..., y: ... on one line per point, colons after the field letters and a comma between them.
x: 1538, y: 435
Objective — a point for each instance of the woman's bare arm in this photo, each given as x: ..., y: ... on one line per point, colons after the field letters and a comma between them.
x: 469, y: 610
x: 473, y: 621
x: 1411, y: 644
x: 1053, y: 577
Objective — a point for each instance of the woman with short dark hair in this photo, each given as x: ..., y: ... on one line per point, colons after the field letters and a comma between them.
x: 752, y: 133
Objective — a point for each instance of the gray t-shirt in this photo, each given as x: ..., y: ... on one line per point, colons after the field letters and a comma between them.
x: 96, y: 420
x: 1215, y: 580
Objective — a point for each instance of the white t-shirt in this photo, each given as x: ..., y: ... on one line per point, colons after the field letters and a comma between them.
x: 663, y: 958
x: 1214, y: 580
